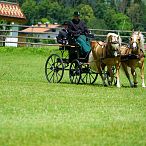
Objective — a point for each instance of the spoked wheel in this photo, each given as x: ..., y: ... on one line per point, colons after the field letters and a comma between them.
x: 88, y: 75
x: 75, y: 72
x: 54, y: 69
x: 114, y: 82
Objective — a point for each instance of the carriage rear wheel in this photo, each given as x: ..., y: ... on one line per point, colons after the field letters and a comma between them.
x: 75, y: 72
x: 54, y: 69
x: 88, y: 75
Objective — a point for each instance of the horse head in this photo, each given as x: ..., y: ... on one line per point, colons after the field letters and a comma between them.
x: 113, y: 42
x: 136, y: 42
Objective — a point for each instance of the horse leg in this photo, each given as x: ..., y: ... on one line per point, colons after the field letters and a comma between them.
x: 133, y: 72
x: 142, y: 75
x: 127, y: 74
x: 118, y: 74
x: 101, y: 75
x: 103, y: 70
x: 100, y: 67
x: 111, y: 75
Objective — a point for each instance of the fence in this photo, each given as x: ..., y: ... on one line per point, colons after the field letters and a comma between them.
x: 38, y: 36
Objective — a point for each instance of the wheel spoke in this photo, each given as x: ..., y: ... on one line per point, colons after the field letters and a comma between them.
x: 88, y: 76
x: 52, y: 76
x: 75, y: 72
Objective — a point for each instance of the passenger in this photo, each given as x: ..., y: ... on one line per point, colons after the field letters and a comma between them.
x: 78, y: 30
x: 62, y: 37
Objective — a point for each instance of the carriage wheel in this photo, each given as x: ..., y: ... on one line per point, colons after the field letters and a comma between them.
x: 54, y: 69
x: 75, y: 72
x: 88, y: 75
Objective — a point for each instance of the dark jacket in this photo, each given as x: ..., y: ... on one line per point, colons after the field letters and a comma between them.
x: 62, y: 36
x: 77, y: 27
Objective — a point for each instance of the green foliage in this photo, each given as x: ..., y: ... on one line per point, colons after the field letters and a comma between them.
x: 48, y: 41
x: 136, y: 14
x: 45, y: 20
x: 29, y: 9
x: 122, y: 22
x: 100, y: 10
x: 97, y: 23
x: 111, y: 24
x: 87, y: 13
x: 133, y: 12
x: 2, y: 21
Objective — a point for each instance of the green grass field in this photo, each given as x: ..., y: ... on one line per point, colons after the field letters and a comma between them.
x: 36, y: 113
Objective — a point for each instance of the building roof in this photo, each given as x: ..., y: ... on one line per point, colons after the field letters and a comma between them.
x: 41, y: 28
x: 11, y: 12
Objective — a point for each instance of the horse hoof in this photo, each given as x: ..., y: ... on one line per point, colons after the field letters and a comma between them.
x: 105, y: 85
x: 135, y: 86
x: 132, y: 85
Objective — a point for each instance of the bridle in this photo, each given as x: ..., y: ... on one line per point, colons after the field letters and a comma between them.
x: 135, y: 44
x: 113, y: 48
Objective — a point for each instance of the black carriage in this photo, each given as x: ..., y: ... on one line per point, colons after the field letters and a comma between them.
x: 77, y: 65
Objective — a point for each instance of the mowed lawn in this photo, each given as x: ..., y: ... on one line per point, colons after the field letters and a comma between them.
x: 36, y: 113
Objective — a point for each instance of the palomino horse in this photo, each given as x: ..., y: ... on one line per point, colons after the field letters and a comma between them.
x: 133, y: 57
x: 106, y: 54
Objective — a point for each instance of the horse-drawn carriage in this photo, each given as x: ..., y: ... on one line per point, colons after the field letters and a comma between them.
x: 104, y: 59
x: 81, y: 68
x: 71, y: 60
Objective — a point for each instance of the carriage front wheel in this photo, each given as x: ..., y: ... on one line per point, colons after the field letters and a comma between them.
x: 54, y: 69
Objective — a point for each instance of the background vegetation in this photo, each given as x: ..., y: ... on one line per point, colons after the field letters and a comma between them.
x: 105, y: 14
x: 35, y: 113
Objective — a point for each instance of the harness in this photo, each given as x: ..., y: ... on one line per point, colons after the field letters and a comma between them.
x: 128, y: 55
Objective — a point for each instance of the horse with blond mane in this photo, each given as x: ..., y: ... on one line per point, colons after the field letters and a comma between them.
x: 106, y: 54
x: 133, y: 57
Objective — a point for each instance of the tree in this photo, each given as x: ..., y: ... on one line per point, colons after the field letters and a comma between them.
x: 29, y: 9
x: 45, y: 20
x: 108, y: 17
x: 54, y: 11
x: 100, y: 10
x: 123, y: 5
x: 86, y: 12
x: 143, y: 17
x: 96, y: 13
x: 122, y: 22
x: 135, y: 13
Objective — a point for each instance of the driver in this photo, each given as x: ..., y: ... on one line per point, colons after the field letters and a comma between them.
x: 78, y: 30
